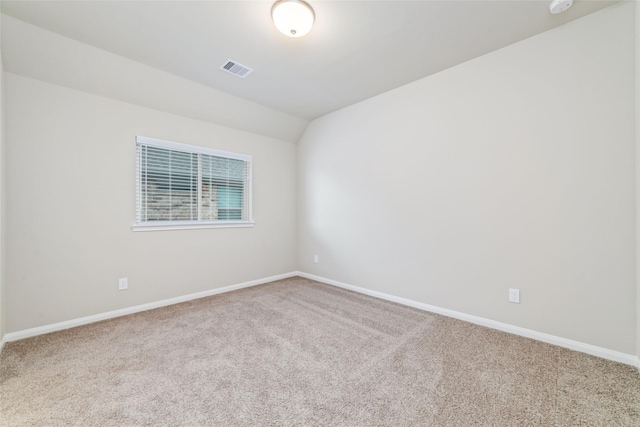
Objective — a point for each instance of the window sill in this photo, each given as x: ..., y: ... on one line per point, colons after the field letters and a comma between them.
x: 176, y: 225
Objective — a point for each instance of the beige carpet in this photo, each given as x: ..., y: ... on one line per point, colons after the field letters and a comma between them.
x: 300, y: 353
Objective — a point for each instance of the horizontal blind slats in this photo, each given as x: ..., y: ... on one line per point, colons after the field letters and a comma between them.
x: 170, y: 182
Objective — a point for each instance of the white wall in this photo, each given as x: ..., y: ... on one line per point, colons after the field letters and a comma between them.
x: 71, y: 204
x: 2, y: 199
x: 515, y: 169
x: 637, y: 50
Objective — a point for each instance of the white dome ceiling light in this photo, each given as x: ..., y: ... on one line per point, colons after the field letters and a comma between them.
x: 293, y: 18
x: 557, y: 6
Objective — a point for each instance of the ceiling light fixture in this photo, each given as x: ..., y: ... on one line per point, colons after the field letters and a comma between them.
x: 293, y: 18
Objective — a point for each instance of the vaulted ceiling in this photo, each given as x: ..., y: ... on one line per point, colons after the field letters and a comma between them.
x: 356, y: 50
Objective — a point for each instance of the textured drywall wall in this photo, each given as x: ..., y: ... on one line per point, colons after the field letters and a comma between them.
x: 2, y: 197
x: 70, y: 167
x: 513, y: 170
x: 637, y: 118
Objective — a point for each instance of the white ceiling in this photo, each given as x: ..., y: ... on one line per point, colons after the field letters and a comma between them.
x: 356, y: 50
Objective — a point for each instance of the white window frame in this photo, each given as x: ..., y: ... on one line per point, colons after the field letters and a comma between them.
x: 194, y: 224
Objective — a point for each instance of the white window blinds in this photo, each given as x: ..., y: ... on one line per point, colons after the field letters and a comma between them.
x: 184, y: 184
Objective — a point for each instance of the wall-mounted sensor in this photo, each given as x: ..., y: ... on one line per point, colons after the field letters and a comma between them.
x: 557, y: 6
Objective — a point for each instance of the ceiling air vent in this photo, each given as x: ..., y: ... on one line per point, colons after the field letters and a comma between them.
x: 236, y: 69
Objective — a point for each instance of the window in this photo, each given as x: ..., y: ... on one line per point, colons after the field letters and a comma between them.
x: 183, y: 186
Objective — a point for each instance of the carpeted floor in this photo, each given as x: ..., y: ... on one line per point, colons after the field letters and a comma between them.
x: 297, y: 352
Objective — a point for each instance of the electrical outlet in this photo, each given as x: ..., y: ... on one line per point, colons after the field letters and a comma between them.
x: 315, y: 259
x: 123, y: 284
x: 514, y: 295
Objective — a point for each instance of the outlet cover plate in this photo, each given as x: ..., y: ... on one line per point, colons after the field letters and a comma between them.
x: 514, y: 295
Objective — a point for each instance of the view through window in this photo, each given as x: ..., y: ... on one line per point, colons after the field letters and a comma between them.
x: 178, y: 183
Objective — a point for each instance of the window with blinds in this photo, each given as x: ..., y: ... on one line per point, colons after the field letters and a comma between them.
x: 181, y: 185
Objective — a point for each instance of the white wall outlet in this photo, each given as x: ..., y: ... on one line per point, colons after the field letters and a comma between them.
x: 315, y: 259
x: 123, y: 284
x: 514, y: 295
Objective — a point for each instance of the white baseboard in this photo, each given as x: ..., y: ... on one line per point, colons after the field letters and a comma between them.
x: 605, y: 353
x: 628, y: 359
x: 27, y: 333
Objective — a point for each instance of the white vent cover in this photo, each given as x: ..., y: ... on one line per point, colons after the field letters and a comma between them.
x: 236, y: 69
